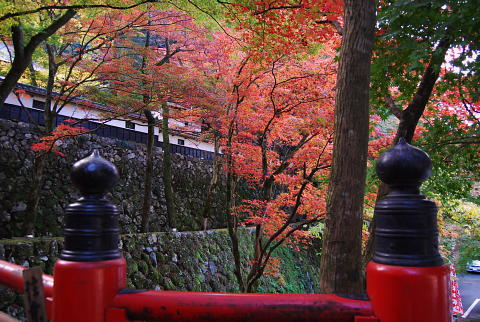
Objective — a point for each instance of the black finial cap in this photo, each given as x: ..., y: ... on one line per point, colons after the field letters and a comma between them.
x: 406, y: 231
x: 94, y: 175
x: 404, y: 165
x: 91, y: 223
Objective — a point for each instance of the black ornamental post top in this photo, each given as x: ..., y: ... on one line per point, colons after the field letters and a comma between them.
x: 94, y: 175
x: 404, y: 167
x: 91, y: 223
x: 406, y: 231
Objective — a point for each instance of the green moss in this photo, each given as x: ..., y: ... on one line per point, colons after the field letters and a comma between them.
x: 143, y: 267
x: 18, y: 240
x: 178, y: 281
x: 168, y: 284
x: 197, y: 288
x: 132, y: 267
x: 298, y: 274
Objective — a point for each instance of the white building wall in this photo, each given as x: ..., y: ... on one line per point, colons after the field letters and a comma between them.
x: 79, y: 112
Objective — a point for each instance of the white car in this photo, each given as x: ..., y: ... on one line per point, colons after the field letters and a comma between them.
x: 474, y: 267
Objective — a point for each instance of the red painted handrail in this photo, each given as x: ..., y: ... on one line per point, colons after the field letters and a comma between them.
x: 188, y: 306
x: 11, y: 275
x: 200, y: 306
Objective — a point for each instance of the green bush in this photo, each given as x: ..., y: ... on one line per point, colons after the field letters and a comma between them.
x: 468, y: 250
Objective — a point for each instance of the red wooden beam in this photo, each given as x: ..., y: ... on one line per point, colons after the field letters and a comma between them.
x: 199, y: 306
x: 11, y: 275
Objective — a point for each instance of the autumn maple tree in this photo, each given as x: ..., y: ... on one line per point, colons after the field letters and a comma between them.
x: 26, y: 25
x: 276, y: 137
x: 155, y: 68
x: 82, y: 41
x: 276, y: 129
x: 269, y: 28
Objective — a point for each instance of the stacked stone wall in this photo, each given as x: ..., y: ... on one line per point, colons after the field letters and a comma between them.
x: 191, y: 178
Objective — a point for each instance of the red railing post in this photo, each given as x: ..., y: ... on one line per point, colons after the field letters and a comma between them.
x: 407, y: 280
x: 91, y: 269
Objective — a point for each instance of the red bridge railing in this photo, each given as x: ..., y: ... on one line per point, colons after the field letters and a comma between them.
x: 406, y: 280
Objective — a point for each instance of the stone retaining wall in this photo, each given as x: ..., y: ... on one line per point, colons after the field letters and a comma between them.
x: 191, y: 179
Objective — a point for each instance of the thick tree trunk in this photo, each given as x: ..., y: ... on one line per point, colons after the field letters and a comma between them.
x: 23, y: 54
x: 11, y: 79
x: 147, y: 183
x: 232, y: 224
x: 33, y: 75
x: 212, y: 188
x: 34, y: 197
x: 341, y: 263
x: 20, y: 62
x: 39, y: 162
x: 147, y: 192
x: 167, y: 168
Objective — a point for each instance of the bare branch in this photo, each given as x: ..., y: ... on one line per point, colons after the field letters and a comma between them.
x: 214, y: 19
x: 70, y: 7
x: 286, y: 7
x: 334, y: 23
x: 394, y: 109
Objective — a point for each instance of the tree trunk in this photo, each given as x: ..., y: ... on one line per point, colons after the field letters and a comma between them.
x: 19, y: 65
x: 34, y: 197
x: 33, y: 75
x: 232, y: 224
x: 167, y: 168
x: 39, y: 162
x: 147, y: 192
x: 147, y: 185
x: 48, y: 113
x: 341, y: 262
x: 212, y: 188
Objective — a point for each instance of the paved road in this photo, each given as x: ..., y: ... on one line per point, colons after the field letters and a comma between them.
x: 469, y: 285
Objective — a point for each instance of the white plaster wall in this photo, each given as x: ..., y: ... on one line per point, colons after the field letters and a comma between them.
x: 76, y: 111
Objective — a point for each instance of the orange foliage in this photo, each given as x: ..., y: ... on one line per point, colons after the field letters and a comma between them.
x: 50, y: 143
